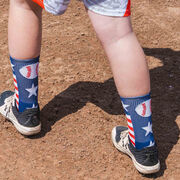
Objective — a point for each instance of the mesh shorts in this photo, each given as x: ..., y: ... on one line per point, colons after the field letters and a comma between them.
x: 119, y: 8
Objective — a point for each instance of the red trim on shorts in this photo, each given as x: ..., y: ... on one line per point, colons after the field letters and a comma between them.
x: 128, y: 9
x: 39, y: 2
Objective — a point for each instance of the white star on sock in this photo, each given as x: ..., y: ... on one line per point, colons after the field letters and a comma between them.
x: 148, y: 128
x: 151, y: 144
x: 125, y: 106
x: 32, y: 91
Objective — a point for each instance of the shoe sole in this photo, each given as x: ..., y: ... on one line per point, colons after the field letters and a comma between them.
x: 27, y: 131
x: 142, y: 169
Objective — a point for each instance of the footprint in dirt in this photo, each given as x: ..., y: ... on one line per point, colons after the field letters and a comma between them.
x: 165, y: 87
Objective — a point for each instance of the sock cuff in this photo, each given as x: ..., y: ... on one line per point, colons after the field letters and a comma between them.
x: 36, y: 59
x: 147, y: 96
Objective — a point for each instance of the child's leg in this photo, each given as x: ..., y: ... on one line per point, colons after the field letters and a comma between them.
x: 21, y: 107
x: 129, y: 68
x: 24, y: 31
x: 126, y: 57
x: 131, y: 77
x: 24, y: 47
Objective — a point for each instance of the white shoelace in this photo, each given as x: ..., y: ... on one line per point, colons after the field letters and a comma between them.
x: 8, y: 106
x: 124, y: 139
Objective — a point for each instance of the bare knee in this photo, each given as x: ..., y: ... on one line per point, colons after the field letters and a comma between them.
x: 110, y: 29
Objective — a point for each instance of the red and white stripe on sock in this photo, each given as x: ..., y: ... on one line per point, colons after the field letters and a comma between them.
x: 131, y: 130
x: 16, y: 91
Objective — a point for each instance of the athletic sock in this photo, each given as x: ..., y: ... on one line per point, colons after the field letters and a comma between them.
x: 25, y: 75
x: 138, y: 113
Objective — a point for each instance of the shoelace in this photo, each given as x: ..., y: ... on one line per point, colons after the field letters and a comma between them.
x: 8, y: 106
x: 124, y: 139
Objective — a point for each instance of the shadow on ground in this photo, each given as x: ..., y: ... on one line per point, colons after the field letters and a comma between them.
x: 165, y: 101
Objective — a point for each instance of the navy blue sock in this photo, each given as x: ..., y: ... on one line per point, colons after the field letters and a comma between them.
x: 138, y: 113
x: 25, y: 75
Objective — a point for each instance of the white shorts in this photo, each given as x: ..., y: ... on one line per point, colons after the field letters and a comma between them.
x: 118, y: 8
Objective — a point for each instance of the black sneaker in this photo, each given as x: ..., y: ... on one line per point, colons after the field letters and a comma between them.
x: 145, y: 160
x: 27, y: 122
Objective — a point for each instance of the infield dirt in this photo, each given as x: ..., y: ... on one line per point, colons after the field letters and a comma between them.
x: 79, y: 102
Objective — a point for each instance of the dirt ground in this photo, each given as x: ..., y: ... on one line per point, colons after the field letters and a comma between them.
x: 80, y: 105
